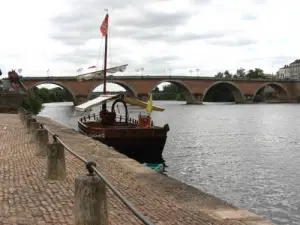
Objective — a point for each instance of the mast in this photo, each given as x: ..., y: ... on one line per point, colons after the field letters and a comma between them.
x: 103, y: 29
x: 105, y: 56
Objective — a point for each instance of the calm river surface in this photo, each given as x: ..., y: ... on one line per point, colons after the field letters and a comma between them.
x: 248, y: 155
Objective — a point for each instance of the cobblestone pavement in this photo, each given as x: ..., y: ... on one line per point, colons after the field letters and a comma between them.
x: 26, y: 197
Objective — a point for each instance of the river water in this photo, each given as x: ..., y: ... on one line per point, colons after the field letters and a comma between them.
x: 248, y: 155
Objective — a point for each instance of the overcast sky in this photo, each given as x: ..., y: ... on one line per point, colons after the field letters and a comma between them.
x: 157, y: 35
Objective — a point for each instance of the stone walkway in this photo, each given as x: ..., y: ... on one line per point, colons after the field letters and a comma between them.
x: 26, y: 197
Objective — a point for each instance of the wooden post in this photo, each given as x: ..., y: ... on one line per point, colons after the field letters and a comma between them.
x: 42, y: 140
x: 56, y: 164
x: 90, y: 201
x: 22, y: 116
x: 20, y: 112
x: 29, y: 120
x: 27, y: 117
x: 32, y: 130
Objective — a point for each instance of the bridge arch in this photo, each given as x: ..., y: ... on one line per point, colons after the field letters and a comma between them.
x: 58, y: 84
x: 232, y: 87
x: 185, y: 89
x: 130, y: 90
x: 284, y: 94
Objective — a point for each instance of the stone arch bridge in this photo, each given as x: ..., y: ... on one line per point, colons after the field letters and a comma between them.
x: 194, y: 89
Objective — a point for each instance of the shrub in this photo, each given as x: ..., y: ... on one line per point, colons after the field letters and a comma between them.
x: 33, y: 105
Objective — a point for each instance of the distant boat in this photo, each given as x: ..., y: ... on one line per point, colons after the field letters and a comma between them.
x: 138, y: 139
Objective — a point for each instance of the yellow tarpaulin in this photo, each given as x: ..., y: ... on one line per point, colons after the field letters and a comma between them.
x: 149, y: 104
x: 141, y: 104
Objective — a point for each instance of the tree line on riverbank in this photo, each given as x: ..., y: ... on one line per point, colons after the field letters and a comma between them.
x: 168, y: 92
x: 257, y: 73
x: 38, y: 96
x: 56, y: 94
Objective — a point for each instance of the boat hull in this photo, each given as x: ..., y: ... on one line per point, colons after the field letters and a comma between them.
x: 144, y: 149
x: 144, y: 145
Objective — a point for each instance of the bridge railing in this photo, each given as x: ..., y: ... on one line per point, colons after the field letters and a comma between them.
x: 149, y: 77
x: 90, y: 190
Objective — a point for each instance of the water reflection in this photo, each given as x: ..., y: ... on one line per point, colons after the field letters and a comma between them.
x: 246, y: 154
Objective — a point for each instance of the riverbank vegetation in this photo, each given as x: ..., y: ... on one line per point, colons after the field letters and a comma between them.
x: 257, y: 73
x: 37, y: 96
x: 168, y: 92
x: 33, y: 104
x: 56, y: 94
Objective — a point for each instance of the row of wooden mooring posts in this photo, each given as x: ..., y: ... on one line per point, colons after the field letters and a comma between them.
x: 90, y: 189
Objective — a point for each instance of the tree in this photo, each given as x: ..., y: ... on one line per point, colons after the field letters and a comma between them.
x: 219, y: 75
x: 255, y: 74
x: 169, y: 92
x: 227, y: 74
x: 179, y: 97
x: 241, y: 72
x: 53, y: 95
x: 33, y: 104
x: 259, y: 72
x: 171, y: 88
x: 156, y: 90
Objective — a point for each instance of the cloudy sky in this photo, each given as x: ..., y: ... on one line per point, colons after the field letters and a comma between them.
x: 157, y: 35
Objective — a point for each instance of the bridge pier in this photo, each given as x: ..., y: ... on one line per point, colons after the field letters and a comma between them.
x: 143, y: 97
x: 197, y: 99
x: 80, y: 99
x: 248, y: 98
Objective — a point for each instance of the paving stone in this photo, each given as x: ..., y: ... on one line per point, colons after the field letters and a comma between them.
x: 26, y: 197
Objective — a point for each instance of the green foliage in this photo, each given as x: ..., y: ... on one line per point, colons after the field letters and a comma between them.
x: 220, y: 75
x: 240, y: 72
x: 156, y: 90
x: 227, y: 74
x: 33, y: 104
x: 53, y: 95
x: 168, y: 92
x: 257, y: 73
x: 179, y: 97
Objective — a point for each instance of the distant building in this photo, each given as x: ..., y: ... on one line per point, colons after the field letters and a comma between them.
x: 290, y: 71
x: 294, y: 69
x: 284, y: 72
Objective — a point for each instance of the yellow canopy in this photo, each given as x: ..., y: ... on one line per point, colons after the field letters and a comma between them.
x: 141, y: 104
